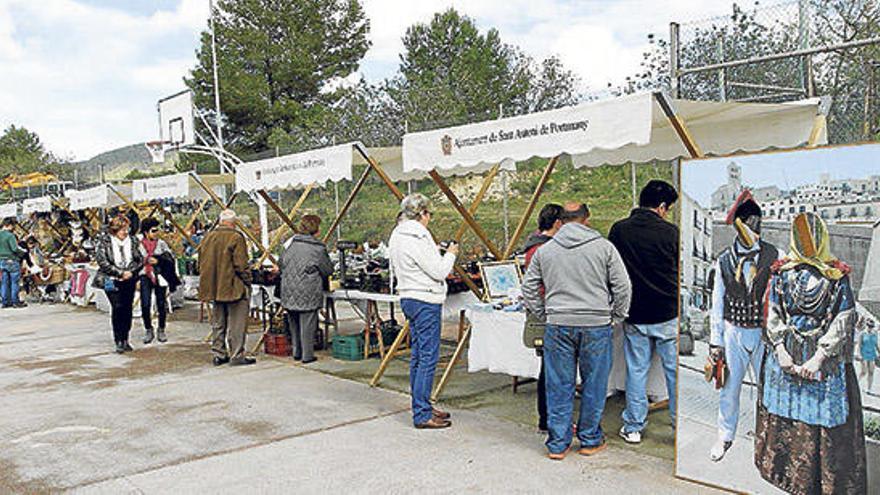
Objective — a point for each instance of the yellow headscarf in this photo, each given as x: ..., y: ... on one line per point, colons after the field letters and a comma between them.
x: 811, y: 245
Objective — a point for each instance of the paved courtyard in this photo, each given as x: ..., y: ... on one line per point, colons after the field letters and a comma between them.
x: 162, y: 420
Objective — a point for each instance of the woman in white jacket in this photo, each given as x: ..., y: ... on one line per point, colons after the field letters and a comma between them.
x: 421, y: 273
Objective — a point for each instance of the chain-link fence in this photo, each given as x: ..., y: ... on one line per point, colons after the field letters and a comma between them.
x: 788, y: 51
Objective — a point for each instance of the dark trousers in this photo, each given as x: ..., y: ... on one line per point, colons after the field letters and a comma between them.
x: 303, y: 327
x: 148, y: 288
x: 542, y: 398
x: 121, y: 301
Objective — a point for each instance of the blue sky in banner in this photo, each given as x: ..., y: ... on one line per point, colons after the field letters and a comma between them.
x: 786, y: 170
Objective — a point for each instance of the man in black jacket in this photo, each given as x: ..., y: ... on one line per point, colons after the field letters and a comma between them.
x: 649, y: 247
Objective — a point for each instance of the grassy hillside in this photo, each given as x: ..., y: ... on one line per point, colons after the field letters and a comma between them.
x: 607, y: 190
x: 120, y: 163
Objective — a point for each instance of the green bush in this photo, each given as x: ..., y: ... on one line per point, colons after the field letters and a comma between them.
x: 872, y: 427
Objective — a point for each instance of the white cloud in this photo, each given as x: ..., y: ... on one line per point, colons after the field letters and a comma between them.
x: 602, y: 41
x: 86, y: 79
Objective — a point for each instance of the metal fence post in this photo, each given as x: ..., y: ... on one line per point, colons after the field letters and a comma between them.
x: 674, y: 48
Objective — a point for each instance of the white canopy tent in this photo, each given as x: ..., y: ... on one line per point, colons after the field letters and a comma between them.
x: 634, y: 128
x: 630, y: 129
x: 8, y: 210
x: 93, y: 197
x: 36, y: 205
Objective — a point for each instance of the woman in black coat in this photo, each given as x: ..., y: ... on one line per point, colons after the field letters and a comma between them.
x: 119, y: 260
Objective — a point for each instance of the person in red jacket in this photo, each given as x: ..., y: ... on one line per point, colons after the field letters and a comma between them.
x: 549, y: 222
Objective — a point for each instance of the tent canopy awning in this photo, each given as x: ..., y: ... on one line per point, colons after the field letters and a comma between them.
x: 631, y: 128
x: 37, y: 205
x: 178, y: 186
x: 8, y: 210
x: 93, y: 197
x: 391, y: 160
x: 299, y: 169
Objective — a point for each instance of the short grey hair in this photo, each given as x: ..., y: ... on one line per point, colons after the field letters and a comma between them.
x: 412, y: 206
x: 227, y: 216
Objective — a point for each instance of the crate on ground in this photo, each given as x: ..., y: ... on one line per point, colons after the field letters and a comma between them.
x: 348, y: 347
x: 277, y: 344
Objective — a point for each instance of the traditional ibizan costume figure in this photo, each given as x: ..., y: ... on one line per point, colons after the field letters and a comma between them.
x: 809, y: 436
x: 742, y: 272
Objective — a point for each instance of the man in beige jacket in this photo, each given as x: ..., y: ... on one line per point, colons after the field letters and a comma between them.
x: 225, y: 280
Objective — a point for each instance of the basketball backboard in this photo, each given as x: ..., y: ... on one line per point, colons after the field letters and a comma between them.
x: 176, y: 120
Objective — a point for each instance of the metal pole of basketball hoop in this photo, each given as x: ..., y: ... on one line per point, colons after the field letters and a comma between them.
x: 216, y: 79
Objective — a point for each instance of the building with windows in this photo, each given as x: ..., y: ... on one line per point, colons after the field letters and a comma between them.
x: 696, y: 263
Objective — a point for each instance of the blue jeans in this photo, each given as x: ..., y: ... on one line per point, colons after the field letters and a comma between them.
x: 567, y: 349
x: 424, y: 325
x: 639, y: 344
x: 10, y: 275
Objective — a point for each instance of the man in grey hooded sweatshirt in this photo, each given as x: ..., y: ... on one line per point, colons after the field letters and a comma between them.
x: 586, y: 289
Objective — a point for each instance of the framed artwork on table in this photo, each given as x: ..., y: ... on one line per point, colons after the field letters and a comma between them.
x: 500, y: 278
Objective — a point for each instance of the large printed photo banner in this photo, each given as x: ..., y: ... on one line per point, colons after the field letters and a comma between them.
x: 95, y: 197
x: 780, y: 288
x: 8, y: 210
x: 605, y: 124
x: 165, y: 187
x: 36, y: 205
x: 300, y: 169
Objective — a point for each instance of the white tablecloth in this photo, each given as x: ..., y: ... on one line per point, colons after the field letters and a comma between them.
x: 496, y: 345
x: 355, y: 295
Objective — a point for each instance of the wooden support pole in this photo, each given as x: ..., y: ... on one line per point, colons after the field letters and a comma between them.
x: 180, y: 230
x: 277, y: 209
x: 124, y: 199
x: 464, y: 330
x: 680, y: 127
x: 348, y: 202
x: 536, y: 195
x: 244, y: 230
x: 819, y: 123
x: 282, y: 230
x: 468, y: 218
x: 195, y: 215
x: 390, y: 354
x: 478, y: 199
x: 382, y: 175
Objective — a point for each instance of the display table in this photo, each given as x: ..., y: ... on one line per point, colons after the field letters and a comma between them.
x: 496, y: 346
x: 373, y: 321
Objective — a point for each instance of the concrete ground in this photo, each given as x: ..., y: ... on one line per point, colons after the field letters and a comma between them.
x: 697, y: 429
x: 78, y: 417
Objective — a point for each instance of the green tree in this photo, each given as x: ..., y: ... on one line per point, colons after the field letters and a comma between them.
x: 850, y: 77
x: 451, y: 73
x: 22, y: 152
x: 276, y: 60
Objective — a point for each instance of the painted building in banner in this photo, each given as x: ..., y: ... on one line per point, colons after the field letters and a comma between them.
x: 726, y: 194
x: 696, y: 263
x: 869, y: 293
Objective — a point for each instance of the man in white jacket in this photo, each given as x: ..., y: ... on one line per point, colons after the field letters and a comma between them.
x: 421, y: 273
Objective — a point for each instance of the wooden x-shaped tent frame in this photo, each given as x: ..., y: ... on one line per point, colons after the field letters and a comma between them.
x: 684, y: 136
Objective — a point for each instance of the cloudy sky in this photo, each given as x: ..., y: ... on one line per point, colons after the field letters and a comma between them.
x: 86, y: 74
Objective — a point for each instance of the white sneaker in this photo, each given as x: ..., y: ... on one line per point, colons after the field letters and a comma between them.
x: 719, y: 449
x: 631, y: 437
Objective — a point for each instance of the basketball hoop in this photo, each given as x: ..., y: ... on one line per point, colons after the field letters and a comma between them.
x: 157, y: 150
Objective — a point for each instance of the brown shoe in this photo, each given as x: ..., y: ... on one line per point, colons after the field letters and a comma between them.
x: 557, y: 457
x: 593, y: 450
x: 434, y: 424
x: 440, y: 414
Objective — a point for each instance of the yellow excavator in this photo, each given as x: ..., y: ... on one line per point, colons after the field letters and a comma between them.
x: 35, y: 179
